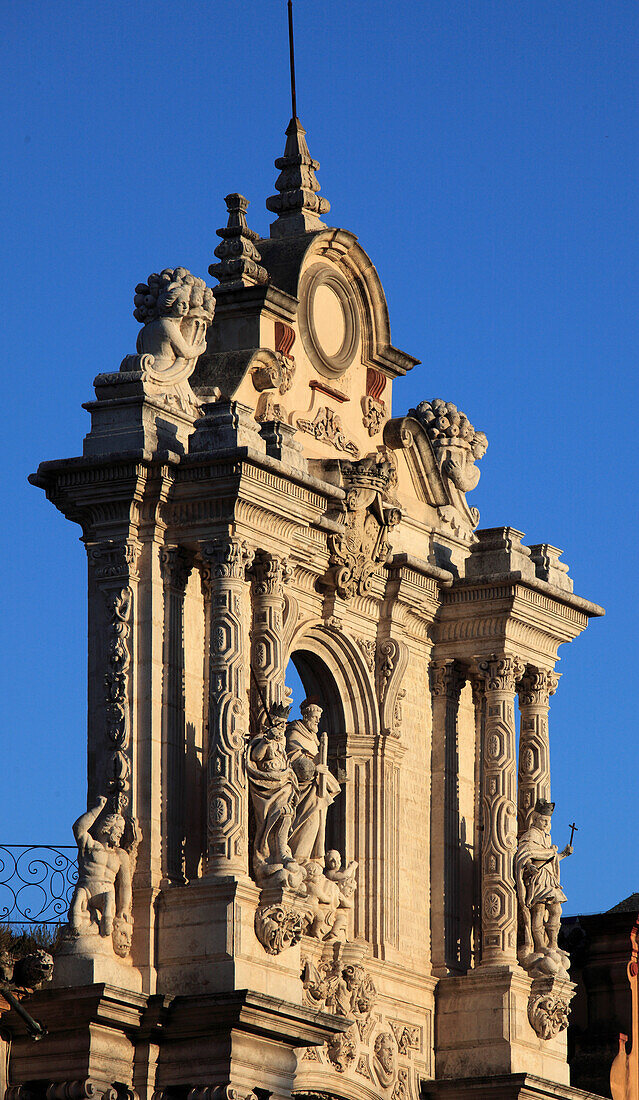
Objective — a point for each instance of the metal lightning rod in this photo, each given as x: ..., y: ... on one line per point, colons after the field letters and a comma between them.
x: 291, y: 50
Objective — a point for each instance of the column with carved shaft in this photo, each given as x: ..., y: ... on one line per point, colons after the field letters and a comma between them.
x: 535, y: 689
x: 447, y: 681
x: 113, y: 574
x: 499, y: 816
x: 176, y: 564
x: 269, y: 574
x: 226, y: 794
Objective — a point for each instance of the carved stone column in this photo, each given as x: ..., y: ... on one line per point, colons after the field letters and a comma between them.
x: 113, y: 571
x: 479, y: 704
x: 175, y: 564
x: 535, y: 689
x: 269, y: 574
x: 447, y: 681
x: 227, y: 804
x: 499, y: 902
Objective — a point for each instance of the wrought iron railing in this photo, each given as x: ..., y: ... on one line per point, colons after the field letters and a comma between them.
x: 36, y: 883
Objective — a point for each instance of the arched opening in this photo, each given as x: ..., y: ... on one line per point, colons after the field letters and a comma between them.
x: 308, y: 677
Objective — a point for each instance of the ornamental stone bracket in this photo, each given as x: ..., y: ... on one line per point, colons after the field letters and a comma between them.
x: 549, y: 1006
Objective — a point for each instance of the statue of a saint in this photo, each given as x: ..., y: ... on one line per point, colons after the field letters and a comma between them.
x: 307, y: 753
x: 102, y: 894
x: 538, y: 889
x: 274, y: 792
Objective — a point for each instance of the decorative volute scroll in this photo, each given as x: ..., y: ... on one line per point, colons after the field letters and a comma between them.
x: 392, y: 661
x: 369, y: 513
x: 176, y: 308
x: 441, y: 448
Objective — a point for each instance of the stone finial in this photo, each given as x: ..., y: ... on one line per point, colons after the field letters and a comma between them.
x: 239, y: 258
x: 298, y: 206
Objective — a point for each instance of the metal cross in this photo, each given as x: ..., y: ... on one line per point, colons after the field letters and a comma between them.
x: 573, y: 830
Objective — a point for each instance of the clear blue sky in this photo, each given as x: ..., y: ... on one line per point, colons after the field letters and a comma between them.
x: 485, y: 152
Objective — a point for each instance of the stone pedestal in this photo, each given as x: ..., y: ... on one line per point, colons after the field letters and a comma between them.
x: 207, y: 943
x: 483, y: 1027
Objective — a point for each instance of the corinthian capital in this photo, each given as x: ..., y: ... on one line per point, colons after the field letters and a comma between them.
x: 501, y: 673
x: 226, y: 558
x: 536, y: 686
x: 269, y: 573
x: 446, y: 678
x: 175, y: 565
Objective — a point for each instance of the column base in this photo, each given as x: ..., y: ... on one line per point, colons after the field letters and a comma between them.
x: 207, y: 943
x: 485, y: 1025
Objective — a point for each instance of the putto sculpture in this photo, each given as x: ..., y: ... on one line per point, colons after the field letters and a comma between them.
x: 540, y: 895
x: 176, y: 309
x: 101, y: 902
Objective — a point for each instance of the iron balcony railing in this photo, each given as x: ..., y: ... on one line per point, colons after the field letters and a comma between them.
x: 36, y: 883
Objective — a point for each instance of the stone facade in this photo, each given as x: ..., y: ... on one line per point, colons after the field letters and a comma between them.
x: 325, y: 910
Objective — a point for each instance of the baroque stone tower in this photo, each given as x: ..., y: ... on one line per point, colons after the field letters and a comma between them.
x: 335, y: 906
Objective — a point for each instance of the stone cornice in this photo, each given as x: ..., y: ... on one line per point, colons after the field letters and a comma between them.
x: 504, y: 613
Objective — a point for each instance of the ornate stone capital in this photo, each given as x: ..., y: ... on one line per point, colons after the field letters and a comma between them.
x: 269, y: 573
x: 114, y: 559
x: 447, y: 678
x: 536, y: 686
x: 501, y: 673
x: 176, y: 564
x: 226, y: 558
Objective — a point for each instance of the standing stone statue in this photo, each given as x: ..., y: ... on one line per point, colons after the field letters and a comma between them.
x: 101, y: 901
x: 274, y: 793
x: 307, y: 754
x: 540, y: 894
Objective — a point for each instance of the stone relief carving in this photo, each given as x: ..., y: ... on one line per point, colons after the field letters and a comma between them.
x: 277, y: 927
x: 118, y: 603
x: 402, y: 1086
x: 341, y: 1051
x: 548, y: 1014
x: 384, y: 1059
x: 176, y: 309
x: 374, y: 415
x: 370, y: 512
x: 455, y: 442
x: 407, y: 1036
x: 327, y: 428
x: 100, y: 909
x: 540, y: 896
x: 342, y: 990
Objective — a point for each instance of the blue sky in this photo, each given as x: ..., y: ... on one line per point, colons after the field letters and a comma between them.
x: 485, y: 153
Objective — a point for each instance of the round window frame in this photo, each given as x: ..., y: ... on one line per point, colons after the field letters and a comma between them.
x: 332, y: 366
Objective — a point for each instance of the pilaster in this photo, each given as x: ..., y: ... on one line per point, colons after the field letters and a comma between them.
x: 176, y: 564
x: 447, y: 681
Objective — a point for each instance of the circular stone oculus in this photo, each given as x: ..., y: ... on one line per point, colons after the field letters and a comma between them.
x: 329, y: 320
